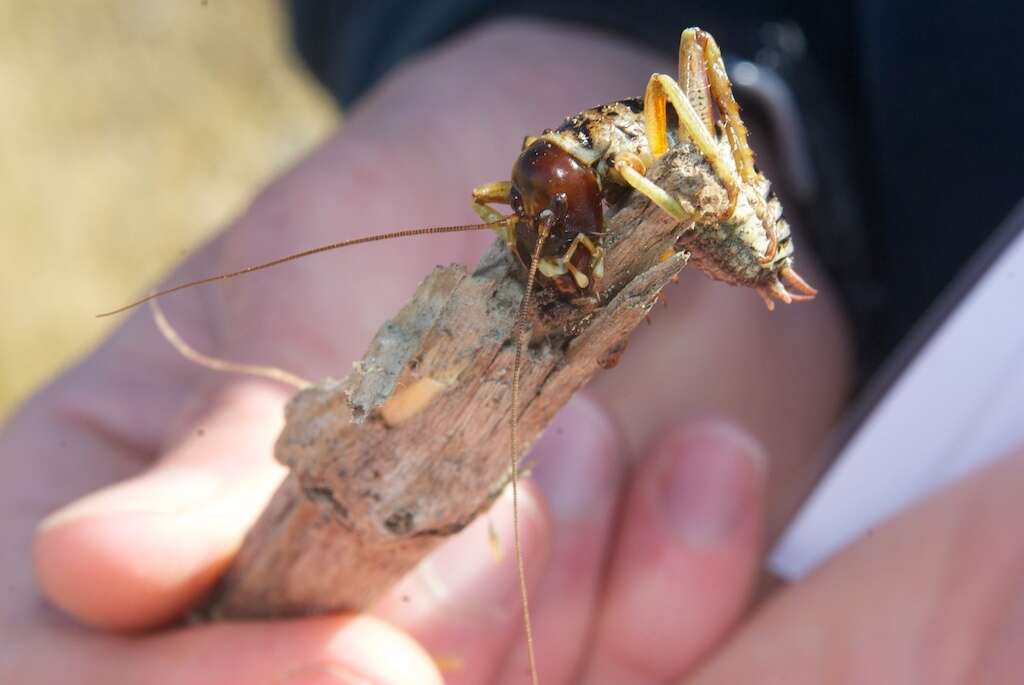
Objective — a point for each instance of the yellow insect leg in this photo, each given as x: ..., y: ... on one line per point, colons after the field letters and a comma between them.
x: 498, y: 191
x: 661, y: 90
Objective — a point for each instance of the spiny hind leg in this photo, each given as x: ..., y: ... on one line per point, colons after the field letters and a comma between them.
x: 498, y: 191
x: 699, y: 51
x: 662, y: 90
x: 693, y: 77
x: 701, y: 69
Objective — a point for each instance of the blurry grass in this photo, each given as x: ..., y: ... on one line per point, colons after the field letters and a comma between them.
x: 129, y: 131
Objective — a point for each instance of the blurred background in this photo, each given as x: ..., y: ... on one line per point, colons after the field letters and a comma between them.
x: 130, y: 130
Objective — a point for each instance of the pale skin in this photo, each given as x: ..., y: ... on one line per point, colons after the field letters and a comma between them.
x: 636, y: 576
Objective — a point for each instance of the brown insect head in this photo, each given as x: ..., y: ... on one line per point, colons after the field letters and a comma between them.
x: 550, y: 186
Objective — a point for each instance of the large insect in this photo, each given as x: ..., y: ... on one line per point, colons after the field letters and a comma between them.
x: 564, y: 179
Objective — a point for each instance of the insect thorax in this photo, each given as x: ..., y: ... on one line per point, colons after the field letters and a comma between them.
x: 598, y: 135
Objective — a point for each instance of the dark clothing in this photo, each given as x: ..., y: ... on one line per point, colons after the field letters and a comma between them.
x: 913, y: 113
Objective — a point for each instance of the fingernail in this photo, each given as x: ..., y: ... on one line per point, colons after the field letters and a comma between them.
x: 324, y: 674
x: 575, y: 460
x: 169, y: 491
x: 711, y: 482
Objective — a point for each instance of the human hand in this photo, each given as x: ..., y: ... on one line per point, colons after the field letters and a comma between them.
x: 935, y: 595
x: 690, y: 523
x: 189, y: 449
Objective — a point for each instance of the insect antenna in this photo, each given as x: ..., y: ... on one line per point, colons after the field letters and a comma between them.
x: 520, y: 329
x: 217, y: 364
x: 306, y: 253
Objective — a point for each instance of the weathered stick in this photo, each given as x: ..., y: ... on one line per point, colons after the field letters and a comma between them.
x: 414, y: 443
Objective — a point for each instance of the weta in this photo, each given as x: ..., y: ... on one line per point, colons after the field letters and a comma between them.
x: 563, y: 178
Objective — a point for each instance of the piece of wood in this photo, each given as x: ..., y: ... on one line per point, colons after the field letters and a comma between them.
x: 414, y: 443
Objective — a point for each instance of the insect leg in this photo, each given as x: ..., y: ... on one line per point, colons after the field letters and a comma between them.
x: 596, y: 252
x: 659, y: 196
x: 661, y: 90
x: 698, y: 50
x: 528, y: 141
x: 700, y: 47
x: 693, y: 77
x: 498, y: 191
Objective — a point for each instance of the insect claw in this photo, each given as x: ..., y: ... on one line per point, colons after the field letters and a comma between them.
x: 794, y: 281
x: 779, y: 292
x: 768, y: 301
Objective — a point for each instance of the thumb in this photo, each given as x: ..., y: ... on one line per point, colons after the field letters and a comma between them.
x: 327, y: 650
x: 138, y: 553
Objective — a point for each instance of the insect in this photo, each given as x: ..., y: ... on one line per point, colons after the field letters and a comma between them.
x: 565, y: 178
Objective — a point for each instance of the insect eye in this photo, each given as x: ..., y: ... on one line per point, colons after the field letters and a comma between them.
x: 516, y: 201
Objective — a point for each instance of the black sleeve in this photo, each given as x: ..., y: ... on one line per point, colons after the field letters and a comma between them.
x: 911, y: 115
x: 351, y: 45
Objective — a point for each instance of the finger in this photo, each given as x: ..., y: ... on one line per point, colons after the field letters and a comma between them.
x: 139, y: 552
x: 342, y: 650
x: 579, y: 472
x: 463, y: 602
x: 686, y: 556
x: 935, y: 595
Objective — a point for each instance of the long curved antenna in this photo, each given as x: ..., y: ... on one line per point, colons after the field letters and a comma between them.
x: 306, y: 253
x: 196, y: 357
x: 520, y: 330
